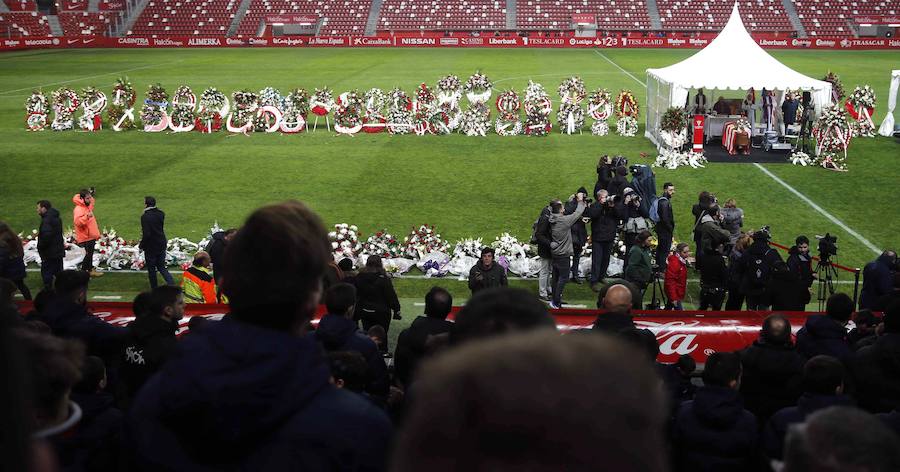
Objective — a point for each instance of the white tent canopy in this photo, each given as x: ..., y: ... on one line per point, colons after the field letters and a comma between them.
x: 732, y: 61
x: 887, y: 126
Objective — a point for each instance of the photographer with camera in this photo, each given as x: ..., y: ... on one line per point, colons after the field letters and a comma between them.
x: 637, y: 219
x: 755, y: 269
x: 878, y: 279
x: 712, y: 234
x: 561, y: 245
x: 86, y: 230
x: 606, y: 170
x: 605, y: 214
x: 619, y: 182
x: 579, y: 233
x: 665, y: 225
x: 639, y: 268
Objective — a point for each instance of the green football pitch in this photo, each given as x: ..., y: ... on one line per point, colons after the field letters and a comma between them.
x: 465, y: 186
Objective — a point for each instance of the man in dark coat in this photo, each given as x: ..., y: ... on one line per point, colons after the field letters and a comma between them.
x: 823, y: 387
x: 338, y: 332
x: 877, y: 279
x: 799, y: 261
x: 51, y: 247
x: 154, y: 242
x: 68, y: 317
x: 826, y: 334
x: 712, y: 234
x: 151, y: 339
x: 411, y: 345
x: 98, y: 435
x: 605, y: 214
x: 542, y: 238
x: 579, y: 236
x: 618, y: 183
x: 216, y: 249
x: 785, y: 290
x: 771, y: 369
x: 665, y: 228
x: 487, y: 273
x: 714, y: 432
x: 755, y: 269
x: 876, y: 368
x: 252, y: 391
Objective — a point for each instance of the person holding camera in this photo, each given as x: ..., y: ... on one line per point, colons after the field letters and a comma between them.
x: 675, y: 284
x: 605, y: 173
x: 711, y: 231
x: 639, y: 267
x: 86, y: 230
x: 665, y: 227
x: 605, y: 214
x: 542, y: 238
x: 579, y: 234
x: 619, y: 182
x: 561, y: 244
x: 486, y: 273
x: 637, y: 219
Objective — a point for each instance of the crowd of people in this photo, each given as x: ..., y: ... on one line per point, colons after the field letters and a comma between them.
x: 497, y: 389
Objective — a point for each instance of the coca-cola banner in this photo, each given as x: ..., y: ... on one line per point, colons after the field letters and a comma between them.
x: 584, y: 19
x: 428, y: 40
x: 291, y: 19
x: 697, y: 334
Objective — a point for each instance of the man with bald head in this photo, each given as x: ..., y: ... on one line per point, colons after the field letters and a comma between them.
x: 616, y: 306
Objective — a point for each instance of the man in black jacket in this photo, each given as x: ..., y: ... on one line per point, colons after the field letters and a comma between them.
x: 486, y: 273
x: 50, y: 242
x: 665, y: 228
x: 411, y: 345
x: 755, y: 269
x: 876, y: 368
x: 542, y: 238
x: 605, y: 215
x: 153, y: 242
x: 771, y: 369
x: 151, y: 338
x: 579, y: 236
x: 216, y: 249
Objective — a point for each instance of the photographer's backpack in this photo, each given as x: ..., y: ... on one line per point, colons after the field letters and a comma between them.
x: 654, y: 209
x: 759, y: 270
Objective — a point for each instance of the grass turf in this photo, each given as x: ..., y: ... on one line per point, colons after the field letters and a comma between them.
x: 465, y: 186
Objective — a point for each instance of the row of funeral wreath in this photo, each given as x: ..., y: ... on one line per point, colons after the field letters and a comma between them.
x: 428, y: 111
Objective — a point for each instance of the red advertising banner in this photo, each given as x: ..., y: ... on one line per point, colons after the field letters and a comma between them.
x: 584, y: 19
x: 73, y: 5
x: 112, y: 5
x: 877, y: 20
x: 436, y: 40
x: 698, y: 132
x: 698, y: 334
x: 291, y: 19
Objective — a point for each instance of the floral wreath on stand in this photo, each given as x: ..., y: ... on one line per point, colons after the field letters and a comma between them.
x: 36, y: 109
x: 570, y: 116
x: 382, y: 244
x: 268, y: 116
x: 348, y: 117
x: 65, y: 102
x: 422, y: 108
x: 93, y: 102
x: 153, y: 113
x: 321, y: 104
x: 212, y: 106
x: 861, y: 106
x: 627, y: 112
x: 508, y: 105
x: 296, y: 107
x: 345, y: 241
x: 833, y: 134
x: 537, y: 110
x: 183, y: 103
x: 375, y: 100
x: 400, y: 118
x: 121, y: 109
x: 673, y: 128
x: 240, y: 120
x: 600, y: 109
x: 837, y: 88
x: 478, y: 88
x: 422, y: 241
x: 448, y: 91
x: 476, y: 120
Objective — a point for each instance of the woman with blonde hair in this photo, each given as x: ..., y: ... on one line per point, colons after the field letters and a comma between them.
x: 735, y: 296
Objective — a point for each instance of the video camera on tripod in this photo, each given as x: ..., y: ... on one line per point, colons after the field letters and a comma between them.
x: 825, y: 270
x: 827, y: 246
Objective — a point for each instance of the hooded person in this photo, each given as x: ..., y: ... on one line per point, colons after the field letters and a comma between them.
x: 877, y: 279
x: 151, y: 338
x: 252, y: 391
x: 86, y: 230
x: 51, y: 246
x: 785, y: 290
x: 826, y: 334
x: 216, y: 250
x: 619, y: 182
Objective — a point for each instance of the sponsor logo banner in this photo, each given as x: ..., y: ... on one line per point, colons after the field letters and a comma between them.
x: 584, y: 19
x: 877, y: 20
x: 292, y: 19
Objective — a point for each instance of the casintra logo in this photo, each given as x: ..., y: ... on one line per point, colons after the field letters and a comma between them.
x: 234, y: 42
x: 135, y: 41
x: 503, y: 41
x: 805, y: 43
x: 204, y: 42
x: 417, y: 41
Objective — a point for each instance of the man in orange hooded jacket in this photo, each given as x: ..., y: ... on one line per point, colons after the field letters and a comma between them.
x: 86, y: 230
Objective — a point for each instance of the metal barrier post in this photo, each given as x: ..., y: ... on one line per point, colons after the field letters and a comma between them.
x: 855, y: 287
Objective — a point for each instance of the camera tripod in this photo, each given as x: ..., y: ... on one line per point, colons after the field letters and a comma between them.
x: 655, y: 302
x: 826, y: 273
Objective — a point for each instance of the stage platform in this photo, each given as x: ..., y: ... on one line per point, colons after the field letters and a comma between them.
x: 714, y: 152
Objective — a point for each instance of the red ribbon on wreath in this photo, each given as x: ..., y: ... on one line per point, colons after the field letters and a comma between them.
x: 852, y: 111
x: 319, y: 110
x: 374, y: 125
x: 216, y: 124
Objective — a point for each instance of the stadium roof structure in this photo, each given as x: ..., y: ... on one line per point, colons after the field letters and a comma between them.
x: 732, y: 61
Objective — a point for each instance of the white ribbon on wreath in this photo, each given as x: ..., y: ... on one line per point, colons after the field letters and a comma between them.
x: 479, y: 97
x: 161, y: 126
x: 506, y: 127
x: 291, y: 124
x: 275, y: 112
x: 91, y: 110
x: 449, y: 98
x: 127, y: 114
x: 238, y: 129
x: 600, y: 111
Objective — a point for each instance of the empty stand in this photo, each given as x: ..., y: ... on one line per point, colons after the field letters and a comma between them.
x: 557, y: 14
x: 833, y: 18
x: 33, y: 24
x: 86, y: 23
x: 340, y: 17
x: 399, y: 15
x: 694, y: 15
x: 185, y: 17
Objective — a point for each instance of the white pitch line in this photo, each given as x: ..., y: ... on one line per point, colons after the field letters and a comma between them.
x: 619, y: 67
x: 774, y: 177
x: 86, y: 78
x: 819, y: 209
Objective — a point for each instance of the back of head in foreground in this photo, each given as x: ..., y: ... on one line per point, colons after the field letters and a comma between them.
x: 535, y: 401
x: 841, y: 439
x: 496, y: 311
x: 274, y: 267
